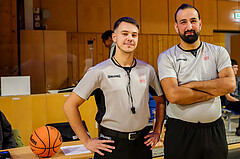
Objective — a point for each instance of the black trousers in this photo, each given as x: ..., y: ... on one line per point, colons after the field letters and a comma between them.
x: 185, y: 140
x: 126, y: 149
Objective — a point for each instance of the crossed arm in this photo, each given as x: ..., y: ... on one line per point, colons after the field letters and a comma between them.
x: 198, y: 91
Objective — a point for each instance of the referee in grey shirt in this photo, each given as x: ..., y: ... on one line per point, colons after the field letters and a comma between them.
x: 193, y: 75
x: 122, y: 84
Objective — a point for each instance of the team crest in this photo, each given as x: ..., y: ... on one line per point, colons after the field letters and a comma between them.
x: 142, y: 78
x: 205, y: 56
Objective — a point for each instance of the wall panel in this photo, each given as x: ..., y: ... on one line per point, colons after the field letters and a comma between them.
x: 226, y: 15
x: 155, y: 51
x: 94, y: 50
x: 165, y: 42
x: 63, y: 15
x: 93, y: 16
x: 150, y: 49
x: 125, y: 8
x: 36, y: 3
x: 145, y: 47
x: 139, y: 51
x: 8, y: 38
x: 170, y: 41
x: 89, y: 53
x: 160, y: 44
x: 55, y: 47
x: 102, y: 52
x: 32, y: 58
x: 44, y: 59
x: 176, y: 39
x: 154, y: 17
x: 219, y: 39
x: 81, y: 54
x: 208, y: 15
x: 72, y: 58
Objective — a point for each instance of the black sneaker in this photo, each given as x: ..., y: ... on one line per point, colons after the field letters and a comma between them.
x: 237, y: 131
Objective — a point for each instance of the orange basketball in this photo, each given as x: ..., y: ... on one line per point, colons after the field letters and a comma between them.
x: 45, y: 141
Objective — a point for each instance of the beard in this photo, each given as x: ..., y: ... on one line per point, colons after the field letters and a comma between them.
x: 190, y: 39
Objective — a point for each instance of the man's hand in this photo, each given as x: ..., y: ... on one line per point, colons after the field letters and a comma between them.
x: 231, y: 98
x: 153, y: 139
x: 96, y: 145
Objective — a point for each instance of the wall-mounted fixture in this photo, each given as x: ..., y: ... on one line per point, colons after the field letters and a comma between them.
x: 36, y: 18
x: 45, y: 13
x: 237, y: 15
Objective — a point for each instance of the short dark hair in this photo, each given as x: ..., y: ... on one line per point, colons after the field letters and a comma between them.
x: 185, y: 6
x: 234, y: 62
x: 125, y: 19
x: 106, y: 34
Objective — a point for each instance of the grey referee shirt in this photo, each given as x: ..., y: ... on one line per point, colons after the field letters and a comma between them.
x: 114, y: 112
x: 185, y: 67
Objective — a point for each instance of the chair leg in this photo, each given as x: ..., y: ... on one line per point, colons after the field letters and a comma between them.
x: 229, y: 123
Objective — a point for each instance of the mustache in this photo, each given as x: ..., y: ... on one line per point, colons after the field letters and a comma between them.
x: 189, y: 31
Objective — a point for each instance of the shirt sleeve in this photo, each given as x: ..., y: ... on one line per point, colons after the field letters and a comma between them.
x: 87, y: 84
x: 223, y: 59
x: 165, y: 67
x: 154, y: 83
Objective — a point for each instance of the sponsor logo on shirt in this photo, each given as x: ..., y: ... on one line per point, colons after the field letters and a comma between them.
x: 181, y: 59
x: 205, y: 56
x: 114, y: 76
x: 142, y: 78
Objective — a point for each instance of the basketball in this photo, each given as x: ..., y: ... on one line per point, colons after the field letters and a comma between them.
x: 45, y: 141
